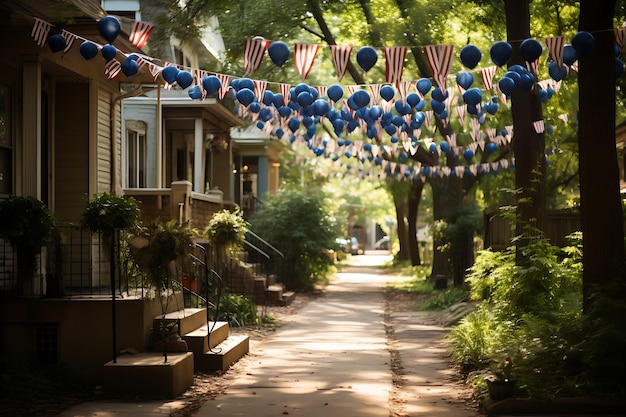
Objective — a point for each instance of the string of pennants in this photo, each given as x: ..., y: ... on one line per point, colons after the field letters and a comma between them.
x: 373, y: 108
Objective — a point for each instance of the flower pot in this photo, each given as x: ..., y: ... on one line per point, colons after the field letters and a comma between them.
x: 500, y: 389
x: 190, y: 283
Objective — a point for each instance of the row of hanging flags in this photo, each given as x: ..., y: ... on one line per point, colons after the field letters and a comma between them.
x: 440, y: 58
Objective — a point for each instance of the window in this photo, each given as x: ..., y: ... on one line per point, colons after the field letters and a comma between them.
x: 6, y: 143
x: 136, y: 157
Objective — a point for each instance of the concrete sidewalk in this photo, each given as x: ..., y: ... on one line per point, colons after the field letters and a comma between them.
x: 332, y: 359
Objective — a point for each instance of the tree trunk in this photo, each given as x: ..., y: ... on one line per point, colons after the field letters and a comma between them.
x: 414, y: 201
x: 601, y: 210
x: 528, y: 145
x: 401, y: 203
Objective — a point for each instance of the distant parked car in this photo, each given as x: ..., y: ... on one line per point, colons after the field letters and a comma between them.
x: 354, y: 246
x: 382, y: 244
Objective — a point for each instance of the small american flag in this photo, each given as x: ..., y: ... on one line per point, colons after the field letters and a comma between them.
x: 69, y: 40
x: 304, y: 56
x: 112, y: 69
x: 140, y: 33
x: 40, y: 31
x: 254, y: 48
x: 394, y: 67
x: 341, y: 58
x: 440, y: 60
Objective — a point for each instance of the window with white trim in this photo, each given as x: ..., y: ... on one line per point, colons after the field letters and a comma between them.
x: 136, y: 155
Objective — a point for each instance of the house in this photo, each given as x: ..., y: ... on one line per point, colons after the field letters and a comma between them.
x: 63, y: 139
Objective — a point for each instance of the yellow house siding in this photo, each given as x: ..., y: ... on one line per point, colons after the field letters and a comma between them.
x: 71, y: 150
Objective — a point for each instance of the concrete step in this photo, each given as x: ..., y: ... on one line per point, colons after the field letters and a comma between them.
x: 288, y: 297
x: 206, y: 337
x: 189, y: 319
x: 222, y: 356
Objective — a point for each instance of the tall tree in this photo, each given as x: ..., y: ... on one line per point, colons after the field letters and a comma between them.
x: 602, y: 219
x: 528, y: 144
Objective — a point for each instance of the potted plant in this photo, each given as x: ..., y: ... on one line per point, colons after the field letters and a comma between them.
x: 501, y: 382
x: 157, y: 247
x: 226, y: 231
x: 108, y: 212
x: 28, y: 225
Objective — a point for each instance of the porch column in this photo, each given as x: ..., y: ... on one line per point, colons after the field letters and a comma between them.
x: 198, y: 158
x: 263, y: 177
x: 30, y: 161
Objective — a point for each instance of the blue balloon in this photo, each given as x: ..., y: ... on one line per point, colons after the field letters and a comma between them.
x: 387, y: 92
x: 284, y: 111
x: 470, y: 56
x: 491, y: 147
x: 194, y: 92
x: 88, y: 50
x: 130, y: 67
x: 300, y: 88
x: 245, y: 83
x: 419, y: 118
x: 557, y: 73
x: 530, y: 49
x: 335, y: 92
x: 500, y: 53
x: 473, y: 96
x: 391, y: 129
x: 366, y: 57
x: 265, y: 114
x: 583, y: 42
x: 211, y: 84
x: 444, y: 146
x: 169, y: 74
x: 491, y: 107
x: 506, y: 85
x: 278, y: 52
x: 184, y: 79
x: 468, y: 155
x: 294, y: 124
x: 245, y: 96
x: 527, y: 82
x: 402, y: 108
x: 433, y: 148
x: 56, y: 43
x: 277, y: 100
x: 109, y: 52
x: 437, y: 106
x: 254, y: 107
x: 439, y: 94
x: 305, y: 99
x: 465, y: 79
x: 320, y: 107
x: 423, y: 85
x: 518, y: 69
x: 397, y: 121
x: 268, y: 98
x: 413, y: 99
x: 361, y: 98
x: 569, y: 55
x: 109, y: 28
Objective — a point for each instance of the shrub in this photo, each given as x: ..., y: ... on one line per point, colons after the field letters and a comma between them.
x: 297, y: 223
x: 237, y: 310
x: 227, y: 229
x: 107, y: 212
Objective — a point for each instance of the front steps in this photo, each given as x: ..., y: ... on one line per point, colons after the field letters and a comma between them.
x: 209, y: 348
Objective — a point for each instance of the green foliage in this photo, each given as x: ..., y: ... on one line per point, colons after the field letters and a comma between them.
x: 227, y: 229
x: 107, y: 212
x: 443, y: 299
x: 156, y: 244
x: 530, y: 313
x: 26, y: 223
x: 237, y: 310
x: 297, y: 223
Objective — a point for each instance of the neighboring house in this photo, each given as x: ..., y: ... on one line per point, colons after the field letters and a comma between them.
x: 257, y: 164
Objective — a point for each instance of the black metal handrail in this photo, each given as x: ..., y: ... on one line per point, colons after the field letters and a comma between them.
x: 275, y: 265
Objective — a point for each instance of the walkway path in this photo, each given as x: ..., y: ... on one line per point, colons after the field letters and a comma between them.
x: 333, y: 359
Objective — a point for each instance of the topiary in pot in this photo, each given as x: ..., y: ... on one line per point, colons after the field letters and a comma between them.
x: 108, y: 212
x: 28, y: 225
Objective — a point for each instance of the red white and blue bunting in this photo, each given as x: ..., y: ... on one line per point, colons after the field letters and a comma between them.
x: 378, y: 125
